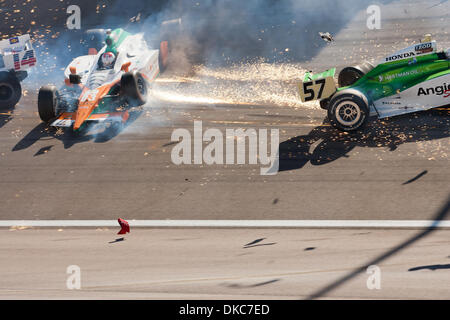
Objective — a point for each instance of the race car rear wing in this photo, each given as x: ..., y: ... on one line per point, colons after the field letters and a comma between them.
x: 411, y: 52
x: 17, y: 53
x: 318, y: 86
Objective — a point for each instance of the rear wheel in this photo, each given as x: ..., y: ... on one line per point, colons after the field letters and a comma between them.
x: 134, y: 87
x: 348, y: 110
x: 47, y: 103
x: 10, y: 90
x: 349, y: 75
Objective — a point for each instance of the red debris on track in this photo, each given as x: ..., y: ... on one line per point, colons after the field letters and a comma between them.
x: 124, y: 225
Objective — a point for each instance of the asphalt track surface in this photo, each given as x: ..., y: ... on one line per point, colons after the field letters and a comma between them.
x: 396, y: 169
x: 223, y: 264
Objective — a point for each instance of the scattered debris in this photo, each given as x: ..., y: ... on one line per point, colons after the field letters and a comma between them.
x: 256, y: 243
x: 43, y: 150
x: 326, y: 36
x: 125, y: 227
x: 14, y: 228
x: 117, y: 240
x: 416, y: 177
x: 431, y: 267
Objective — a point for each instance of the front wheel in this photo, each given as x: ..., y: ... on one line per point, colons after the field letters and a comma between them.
x: 47, y: 103
x: 134, y: 87
x: 348, y: 111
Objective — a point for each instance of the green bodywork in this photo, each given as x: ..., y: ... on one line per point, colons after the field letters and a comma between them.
x: 394, y: 77
x: 329, y: 73
x: 108, y: 104
x: 115, y: 39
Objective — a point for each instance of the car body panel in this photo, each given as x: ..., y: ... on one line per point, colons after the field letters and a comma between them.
x: 17, y: 54
x: 426, y: 95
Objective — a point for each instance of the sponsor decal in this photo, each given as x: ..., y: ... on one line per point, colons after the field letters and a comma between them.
x: 399, y: 75
x: 16, y: 62
x: 391, y: 102
x: 423, y: 48
x: 412, y: 61
x: 63, y: 123
x: 14, y: 40
x: 442, y: 90
x: 400, y: 56
x: 29, y: 58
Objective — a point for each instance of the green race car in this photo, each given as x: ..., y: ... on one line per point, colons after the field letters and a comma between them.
x: 413, y: 79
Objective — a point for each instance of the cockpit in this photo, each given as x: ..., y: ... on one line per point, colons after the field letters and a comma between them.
x: 107, y: 61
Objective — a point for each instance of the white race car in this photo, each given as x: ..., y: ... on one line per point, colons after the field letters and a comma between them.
x: 104, y: 85
x: 16, y: 57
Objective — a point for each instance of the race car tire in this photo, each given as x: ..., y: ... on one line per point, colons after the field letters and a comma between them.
x: 47, y: 103
x: 10, y: 90
x: 349, y: 75
x: 134, y: 87
x: 348, y: 110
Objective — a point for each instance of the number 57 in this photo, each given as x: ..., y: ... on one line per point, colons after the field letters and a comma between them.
x: 317, y: 89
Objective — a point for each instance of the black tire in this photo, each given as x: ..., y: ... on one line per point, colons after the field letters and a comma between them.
x: 349, y: 75
x: 348, y: 110
x: 134, y: 87
x: 10, y: 90
x: 47, y: 103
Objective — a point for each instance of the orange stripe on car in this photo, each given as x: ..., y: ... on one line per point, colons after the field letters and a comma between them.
x: 87, y: 102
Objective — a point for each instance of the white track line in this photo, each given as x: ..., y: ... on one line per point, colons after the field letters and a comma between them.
x: 232, y: 223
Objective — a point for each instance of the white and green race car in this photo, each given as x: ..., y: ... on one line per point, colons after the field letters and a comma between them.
x: 103, y: 85
x: 413, y: 79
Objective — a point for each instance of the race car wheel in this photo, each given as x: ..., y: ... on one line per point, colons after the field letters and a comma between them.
x: 134, y: 87
x: 10, y: 90
x: 348, y: 110
x: 47, y: 103
x: 349, y: 75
